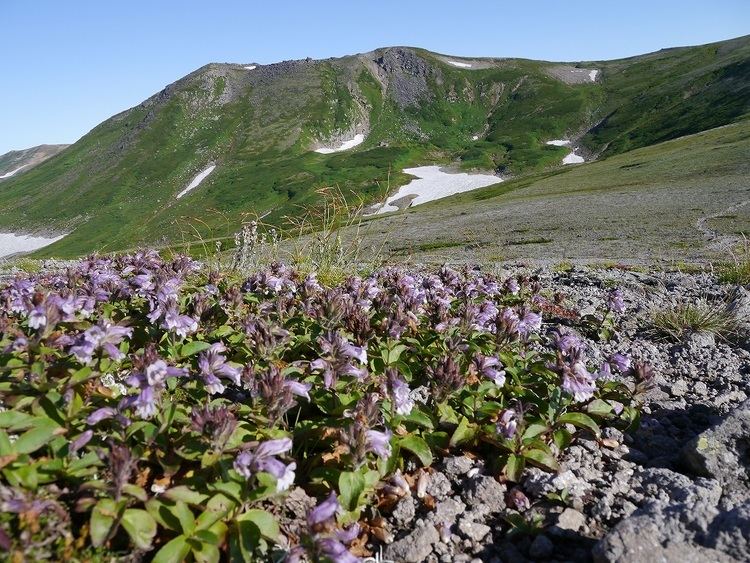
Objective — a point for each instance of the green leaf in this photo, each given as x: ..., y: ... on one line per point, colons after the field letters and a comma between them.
x: 420, y: 418
x: 418, y: 447
x: 81, y: 375
x: 216, y: 508
x: 185, y: 494
x: 206, y: 553
x: 464, y: 432
x: 265, y: 522
x: 140, y: 526
x: 103, y: 516
x: 541, y: 458
x: 194, y: 347
x: 16, y: 421
x: 514, y: 467
x: 174, y: 551
x: 185, y: 516
x: 351, y: 487
x: 135, y: 491
x: 562, y: 438
x: 534, y: 430
x: 581, y: 421
x: 44, y: 431
x: 598, y: 407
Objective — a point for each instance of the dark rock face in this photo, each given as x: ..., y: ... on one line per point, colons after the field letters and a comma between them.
x: 407, y: 75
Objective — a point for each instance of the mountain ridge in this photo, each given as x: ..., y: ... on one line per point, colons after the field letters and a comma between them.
x: 117, y: 186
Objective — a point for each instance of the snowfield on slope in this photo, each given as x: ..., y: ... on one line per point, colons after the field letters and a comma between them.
x: 197, y: 180
x: 573, y: 158
x: 433, y: 183
x: 558, y: 142
x: 459, y: 65
x: 358, y: 139
x: 12, y: 172
x: 12, y: 243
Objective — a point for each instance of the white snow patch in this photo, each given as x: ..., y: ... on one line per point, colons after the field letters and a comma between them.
x: 197, y: 180
x: 475, y: 138
x: 573, y: 158
x: 558, y: 142
x: 459, y: 65
x: 592, y: 75
x: 433, y: 183
x: 12, y: 243
x: 346, y: 145
x: 9, y: 174
x: 251, y: 67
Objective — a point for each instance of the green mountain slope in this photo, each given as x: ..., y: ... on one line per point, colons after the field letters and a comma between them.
x: 117, y: 186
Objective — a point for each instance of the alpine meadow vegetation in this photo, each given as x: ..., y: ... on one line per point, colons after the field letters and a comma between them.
x: 159, y: 407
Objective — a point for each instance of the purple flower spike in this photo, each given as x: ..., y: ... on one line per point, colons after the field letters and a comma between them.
x: 335, y: 551
x: 615, y: 302
x: 324, y: 512
x: 487, y: 366
x: 212, y: 365
x: 263, y: 459
x: 507, y: 424
x: 81, y: 441
x: 100, y: 414
x: 379, y: 443
x: 578, y: 382
x: 400, y: 393
x: 621, y: 362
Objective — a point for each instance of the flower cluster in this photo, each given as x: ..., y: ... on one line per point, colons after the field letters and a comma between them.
x: 148, y: 404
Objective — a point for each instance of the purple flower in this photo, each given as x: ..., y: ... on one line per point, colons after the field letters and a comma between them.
x: 511, y: 285
x: 507, y: 423
x: 620, y: 361
x: 149, y: 376
x: 263, y: 459
x: 578, y: 382
x: 324, y: 512
x: 487, y: 366
x: 336, y: 361
x: 615, y: 302
x: 212, y: 364
x: 379, y: 443
x: 105, y: 336
x: 529, y: 322
x: 400, y: 393
x: 335, y: 551
x: 100, y: 414
x: 80, y: 441
x: 565, y: 341
x: 182, y: 325
x: 605, y: 372
x: 37, y: 317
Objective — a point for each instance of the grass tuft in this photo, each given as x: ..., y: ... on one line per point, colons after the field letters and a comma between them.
x: 678, y: 322
x: 737, y: 271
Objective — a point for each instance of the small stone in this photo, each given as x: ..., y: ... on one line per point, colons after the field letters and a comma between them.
x: 571, y: 520
x: 447, y: 511
x: 415, y: 547
x: 484, y: 490
x: 456, y: 467
x: 439, y: 486
x: 542, y: 547
x: 473, y: 530
x: 405, y: 511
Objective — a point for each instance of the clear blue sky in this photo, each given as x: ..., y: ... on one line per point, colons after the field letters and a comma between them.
x: 67, y: 65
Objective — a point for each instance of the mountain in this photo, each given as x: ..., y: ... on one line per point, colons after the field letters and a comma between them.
x: 16, y: 162
x: 249, y: 132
